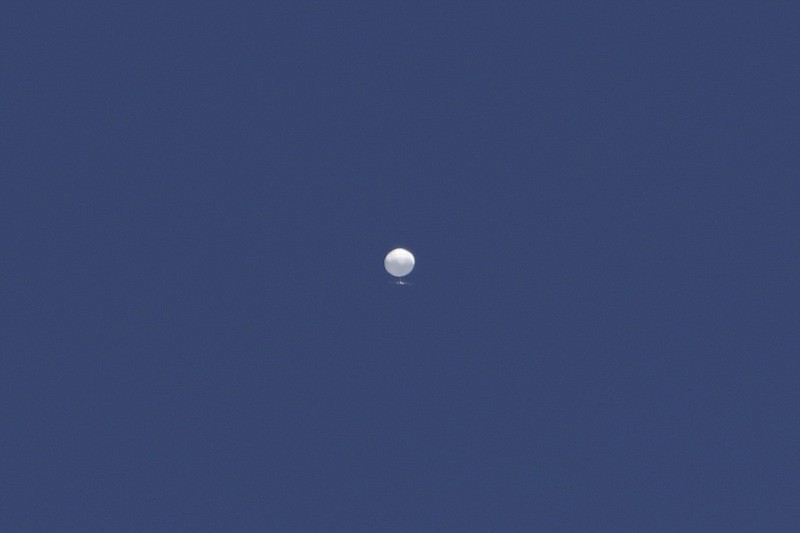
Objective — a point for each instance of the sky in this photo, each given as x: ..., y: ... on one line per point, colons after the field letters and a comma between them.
x: 602, y: 328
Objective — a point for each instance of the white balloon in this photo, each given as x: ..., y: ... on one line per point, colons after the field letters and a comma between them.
x: 399, y: 262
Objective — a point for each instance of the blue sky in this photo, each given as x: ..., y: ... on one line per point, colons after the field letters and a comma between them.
x: 198, y: 332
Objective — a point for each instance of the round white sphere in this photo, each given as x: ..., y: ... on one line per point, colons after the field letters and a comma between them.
x: 399, y: 262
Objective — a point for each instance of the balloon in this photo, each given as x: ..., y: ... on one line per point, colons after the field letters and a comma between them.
x: 399, y: 262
